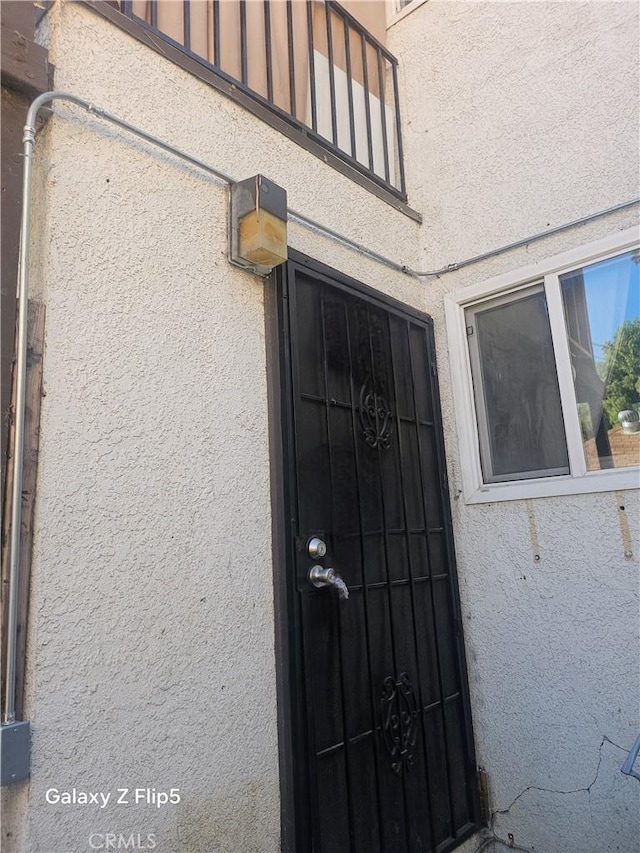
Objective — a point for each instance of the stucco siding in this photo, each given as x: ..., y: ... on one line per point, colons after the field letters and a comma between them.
x: 519, y: 116
x: 523, y: 117
x: 152, y: 660
x: 151, y: 647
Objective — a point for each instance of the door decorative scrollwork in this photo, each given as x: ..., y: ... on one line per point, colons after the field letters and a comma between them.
x: 399, y: 721
x: 375, y: 418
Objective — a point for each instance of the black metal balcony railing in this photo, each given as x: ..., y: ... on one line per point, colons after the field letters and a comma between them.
x: 309, y: 61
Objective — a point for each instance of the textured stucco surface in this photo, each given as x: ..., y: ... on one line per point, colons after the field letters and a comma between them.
x: 151, y: 657
x: 524, y: 117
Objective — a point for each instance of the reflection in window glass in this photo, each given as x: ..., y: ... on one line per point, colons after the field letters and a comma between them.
x: 516, y: 388
x: 602, y: 314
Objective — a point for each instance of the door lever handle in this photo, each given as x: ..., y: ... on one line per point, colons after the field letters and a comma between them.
x: 320, y: 577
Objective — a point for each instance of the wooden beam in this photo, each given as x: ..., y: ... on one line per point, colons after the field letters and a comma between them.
x: 24, y: 63
x: 25, y: 74
x: 35, y: 351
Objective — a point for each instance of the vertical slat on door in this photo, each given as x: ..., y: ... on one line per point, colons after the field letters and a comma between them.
x: 462, y: 726
x: 374, y: 751
x: 306, y: 349
x: 394, y: 803
x: 422, y: 747
x: 418, y: 362
x: 329, y: 593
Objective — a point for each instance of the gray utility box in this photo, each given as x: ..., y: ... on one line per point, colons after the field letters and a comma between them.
x: 15, y: 749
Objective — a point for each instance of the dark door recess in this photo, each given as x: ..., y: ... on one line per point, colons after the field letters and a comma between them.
x: 382, y: 738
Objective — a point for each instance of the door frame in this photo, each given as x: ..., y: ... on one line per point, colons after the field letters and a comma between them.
x: 290, y: 688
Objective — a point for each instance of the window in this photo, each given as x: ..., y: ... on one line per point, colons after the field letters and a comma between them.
x: 398, y: 5
x: 516, y: 388
x: 398, y: 9
x: 546, y: 373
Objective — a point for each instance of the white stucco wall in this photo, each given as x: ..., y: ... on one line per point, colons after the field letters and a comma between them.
x: 151, y: 637
x: 519, y: 117
x: 151, y: 658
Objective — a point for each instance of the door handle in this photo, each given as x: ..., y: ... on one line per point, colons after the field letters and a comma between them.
x: 320, y: 577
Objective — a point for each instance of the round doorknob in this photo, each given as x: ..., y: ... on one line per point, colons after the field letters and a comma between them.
x: 321, y: 577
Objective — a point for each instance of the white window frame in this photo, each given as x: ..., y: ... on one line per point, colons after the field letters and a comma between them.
x: 394, y: 15
x: 579, y: 481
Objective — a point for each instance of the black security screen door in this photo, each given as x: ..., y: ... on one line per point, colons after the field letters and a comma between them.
x: 382, y: 740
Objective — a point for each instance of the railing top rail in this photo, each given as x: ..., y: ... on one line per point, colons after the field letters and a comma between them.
x: 355, y: 23
x: 364, y: 129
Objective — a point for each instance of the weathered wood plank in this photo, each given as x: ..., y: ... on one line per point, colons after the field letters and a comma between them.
x: 35, y: 351
x: 25, y: 74
x: 24, y: 63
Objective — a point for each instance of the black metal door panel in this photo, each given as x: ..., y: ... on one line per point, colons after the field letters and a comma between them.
x: 385, y: 750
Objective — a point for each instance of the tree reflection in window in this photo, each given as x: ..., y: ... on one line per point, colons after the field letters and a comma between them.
x: 602, y: 314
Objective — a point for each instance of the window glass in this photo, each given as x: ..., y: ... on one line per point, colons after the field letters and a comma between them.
x: 602, y: 314
x: 400, y: 4
x: 516, y: 388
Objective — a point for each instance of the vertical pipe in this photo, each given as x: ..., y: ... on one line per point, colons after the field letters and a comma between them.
x: 332, y: 82
x: 292, y: 67
x: 267, y: 46
x: 154, y: 13
x: 383, y: 113
x: 20, y: 416
x: 312, y: 66
x: 243, y: 41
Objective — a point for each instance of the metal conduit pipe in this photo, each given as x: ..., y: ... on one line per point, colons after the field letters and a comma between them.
x: 474, y: 260
x: 28, y: 141
x: 458, y: 265
x: 23, y: 292
x: 317, y: 228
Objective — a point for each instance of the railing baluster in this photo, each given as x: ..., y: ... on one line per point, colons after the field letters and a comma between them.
x: 216, y: 33
x: 383, y: 114
x: 332, y: 82
x: 352, y: 120
x: 243, y: 41
x: 372, y: 51
x: 312, y: 66
x: 267, y: 44
x: 186, y: 10
x: 367, y: 105
x: 292, y: 69
x: 399, y: 158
